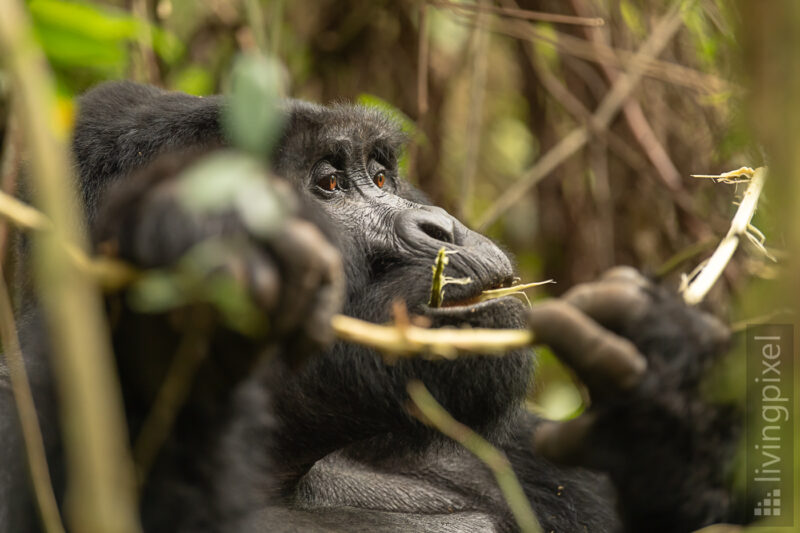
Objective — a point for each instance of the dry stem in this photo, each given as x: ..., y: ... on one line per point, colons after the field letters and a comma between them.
x: 410, y: 340
x: 431, y: 412
x: 710, y: 273
x: 101, y: 486
x: 524, y: 14
x: 29, y: 422
x: 608, y: 108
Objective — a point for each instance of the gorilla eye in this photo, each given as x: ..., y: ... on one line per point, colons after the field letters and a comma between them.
x: 327, y: 182
x: 379, y: 179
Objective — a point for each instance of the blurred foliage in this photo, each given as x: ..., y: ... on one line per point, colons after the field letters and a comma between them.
x: 607, y: 205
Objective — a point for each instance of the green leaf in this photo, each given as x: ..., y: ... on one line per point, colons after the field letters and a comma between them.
x: 252, y: 118
x: 231, y: 181
x: 85, y: 20
x: 86, y: 36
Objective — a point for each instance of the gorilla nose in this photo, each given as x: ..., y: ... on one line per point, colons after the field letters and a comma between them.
x: 423, y: 230
x: 429, y: 227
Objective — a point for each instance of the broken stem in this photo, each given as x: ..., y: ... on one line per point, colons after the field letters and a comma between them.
x: 700, y: 285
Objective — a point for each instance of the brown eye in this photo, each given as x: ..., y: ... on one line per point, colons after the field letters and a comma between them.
x: 379, y: 179
x: 327, y: 183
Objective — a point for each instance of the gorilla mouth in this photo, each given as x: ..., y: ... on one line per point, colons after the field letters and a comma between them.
x: 465, y: 306
x: 473, y: 298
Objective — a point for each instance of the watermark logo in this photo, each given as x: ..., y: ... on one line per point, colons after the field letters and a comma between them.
x: 770, y: 421
x: 769, y: 506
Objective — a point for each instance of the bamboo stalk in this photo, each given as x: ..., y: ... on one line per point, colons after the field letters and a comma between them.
x: 29, y: 422
x: 101, y: 484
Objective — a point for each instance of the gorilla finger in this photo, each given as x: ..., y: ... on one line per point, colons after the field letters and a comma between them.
x: 718, y: 333
x: 263, y: 281
x: 304, y: 254
x: 328, y: 298
x: 614, y: 304
x: 625, y: 274
x: 605, y: 362
x: 564, y: 442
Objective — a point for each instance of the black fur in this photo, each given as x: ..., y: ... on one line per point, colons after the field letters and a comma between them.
x: 331, y: 447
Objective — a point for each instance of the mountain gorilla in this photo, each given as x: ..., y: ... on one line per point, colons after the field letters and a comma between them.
x: 288, y: 431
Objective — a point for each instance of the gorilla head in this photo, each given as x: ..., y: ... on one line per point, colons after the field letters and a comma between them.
x: 344, y: 161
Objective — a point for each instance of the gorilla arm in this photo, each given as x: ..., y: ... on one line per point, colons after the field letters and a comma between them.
x: 642, y: 354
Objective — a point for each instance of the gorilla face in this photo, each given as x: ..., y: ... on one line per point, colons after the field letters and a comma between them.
x: 344, y: 160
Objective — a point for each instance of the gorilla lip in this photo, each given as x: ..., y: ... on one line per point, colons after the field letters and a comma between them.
x: 472, y: 299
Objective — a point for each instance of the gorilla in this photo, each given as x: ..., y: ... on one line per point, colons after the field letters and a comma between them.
x: 287, y: 430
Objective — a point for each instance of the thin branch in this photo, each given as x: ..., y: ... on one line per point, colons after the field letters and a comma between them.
x: 110, y: 273
x: 608, y: 108
x: 614, y: 57
x: 409, y: 340
x: 422, y: 63
x: 276, y: 26
x: 632, y: 110
x: 682, y: 255
x: 29, y: 422
x: 171, y: 396
x: 145, y: 66
x: 697, y: 289
x: 582, y: 114
x: 428, y: 410
x: 101, y: 480
x: 480, y: 66
x: 9, y: 174
x: 523, y: 14
x: 766, y: 318
x: 256, y: 24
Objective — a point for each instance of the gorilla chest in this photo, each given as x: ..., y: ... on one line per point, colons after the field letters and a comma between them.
x: 436, y: 493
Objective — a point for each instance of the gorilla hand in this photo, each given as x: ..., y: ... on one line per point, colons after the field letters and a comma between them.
x: 293, y: 274
x: 641, y: 353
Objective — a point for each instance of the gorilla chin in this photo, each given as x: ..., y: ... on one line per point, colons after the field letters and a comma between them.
x: 482, y: 392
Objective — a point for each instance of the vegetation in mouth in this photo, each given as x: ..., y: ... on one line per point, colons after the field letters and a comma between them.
x: 440, y: 280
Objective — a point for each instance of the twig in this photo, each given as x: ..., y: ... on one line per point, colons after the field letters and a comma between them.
x: 255, y: 22
x: 9, y: 174
x: 100, y: 471
x: 480, y: 66
x: 634, y: 115
x: 431, y: 412
x: 275, y: 27
x: 608, y: 108
x: 654, y: 68
x: 409, y: 340
x: 766, y: 318
x: 581, y: 114
x: 110, y: 273
x: 682, y: 255
x: 170, y: 397
x: 523, y: 14
x: 697, y: 289
x: 422, y: 62
x: 29, y: 422
x: 145, y: 66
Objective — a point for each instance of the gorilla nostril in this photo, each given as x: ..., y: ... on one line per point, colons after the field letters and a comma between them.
x: 437, y: 232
